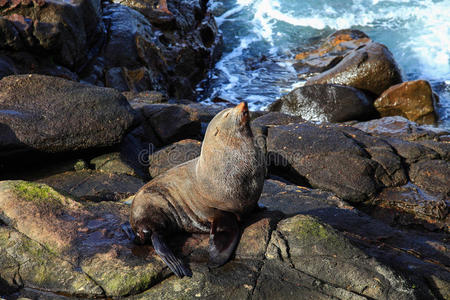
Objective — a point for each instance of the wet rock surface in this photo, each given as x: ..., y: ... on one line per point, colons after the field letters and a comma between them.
x: 173, y: 155
x: 413, y: 100
x: 51, y: 114
x: 326, y: 102
x: 370, y: 67
x: 94, y: 186
x: 331, y: 51
x: 320, y: 247
x: 357, y: 166
x: 80, y: 40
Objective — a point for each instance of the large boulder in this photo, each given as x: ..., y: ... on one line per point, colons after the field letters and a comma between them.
x: 331, y: 51
x: 413, y: 100
x: 88, y: 253
x: 349, y: 162
x: 51, y: 114
x: 326, y: 102
x: 370, y: 67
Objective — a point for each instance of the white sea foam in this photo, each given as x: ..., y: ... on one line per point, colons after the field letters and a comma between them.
x: 416, y: 31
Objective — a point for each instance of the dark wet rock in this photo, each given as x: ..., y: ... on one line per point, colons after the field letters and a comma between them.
x: 321, y: 157
x: 400, y: 127
x: 110, y: 44
x: 370, y: 67
x: 64, y: 30
x: 331, y: 51
x: 173, y: 155
x: 300, y: 254
x: 326, y: 102
x: 26, y: 262
x: 412, y: 152
x: 94, y: 186
x: 413, y: 100
x: 51, y: 114
x: 442, y: 148
x: 409, y: 205
x: 145, y: 97
x: 73, y: 236
x: 333, y: 260
x: 112, y: 163
x: 421, y: 257
x: 171, y: 57
x: 432, y: 176
x: 292, y: 199
x: 171, y: 123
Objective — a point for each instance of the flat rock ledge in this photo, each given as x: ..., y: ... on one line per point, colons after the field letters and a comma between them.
x: 305, y: 243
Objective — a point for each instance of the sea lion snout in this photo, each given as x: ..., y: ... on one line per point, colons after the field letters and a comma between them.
x: 242, y: 108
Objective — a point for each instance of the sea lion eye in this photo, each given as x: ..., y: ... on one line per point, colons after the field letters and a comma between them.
x: 226, y: 115
x: 217, y: 132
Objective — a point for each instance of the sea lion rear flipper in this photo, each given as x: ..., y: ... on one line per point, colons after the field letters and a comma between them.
x: 223, y: 238
x: 173, y: 262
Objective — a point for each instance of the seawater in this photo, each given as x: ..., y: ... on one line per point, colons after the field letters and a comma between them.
x: 261, y: 38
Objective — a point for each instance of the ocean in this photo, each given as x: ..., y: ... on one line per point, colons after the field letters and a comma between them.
x: 261, y: 37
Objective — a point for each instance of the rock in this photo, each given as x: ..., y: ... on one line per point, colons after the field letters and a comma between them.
x: 407, y: 251
x: 331, y: 51
x: 321, y: 157
x: 413, y: 100
x: 412, y: 152
x: 51, y: 114
x: 94, y: 186
x: 26, y: 262
x: 326, y: 102
x: 145, y: 98
x: 409, y: 205
x: 112, y: 163
x: 79, y: 40
x: 67, y: 236
x: 300, y: 255
x: 170, y: 57
x: 171, y: 123
x: 432, y: 176
x: 64, y: 30
x: 333, y: 260
x: 369, y: 67
x: 400, y: 127
x: 173, y: 155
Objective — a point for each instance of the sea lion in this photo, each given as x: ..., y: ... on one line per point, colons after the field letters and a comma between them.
x: 207, y: 194
x: 162, y: 7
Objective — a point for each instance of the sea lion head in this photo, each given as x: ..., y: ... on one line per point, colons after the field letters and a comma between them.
x: 230, y: 123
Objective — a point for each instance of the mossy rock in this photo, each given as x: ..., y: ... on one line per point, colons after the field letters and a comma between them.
x: 37, y: 267
x: 320, y: 251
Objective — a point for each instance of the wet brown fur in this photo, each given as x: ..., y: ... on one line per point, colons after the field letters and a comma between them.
x: 228, y: 176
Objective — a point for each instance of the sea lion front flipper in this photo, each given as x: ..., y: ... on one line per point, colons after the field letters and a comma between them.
x: 173, y: 262
x: 223, y: 238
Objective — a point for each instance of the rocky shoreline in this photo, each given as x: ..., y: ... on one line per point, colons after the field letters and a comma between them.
x: 95, y: 100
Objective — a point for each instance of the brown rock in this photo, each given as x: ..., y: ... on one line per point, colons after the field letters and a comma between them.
x: 432, y: 175
x: 370, y: 67
x: 173, y: 155
x: 413, y: 100
x: 400, y: 127
x: 331, y: 51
